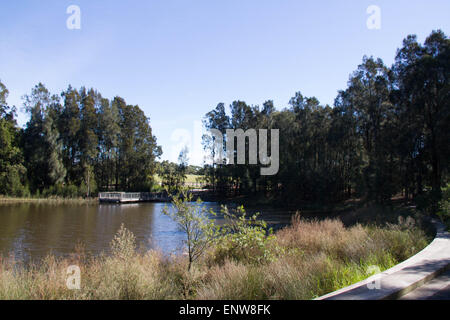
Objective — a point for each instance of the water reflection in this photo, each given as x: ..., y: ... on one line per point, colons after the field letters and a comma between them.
x: 30, y: 231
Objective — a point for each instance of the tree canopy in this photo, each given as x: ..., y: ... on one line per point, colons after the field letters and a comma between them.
x: 75, y: 143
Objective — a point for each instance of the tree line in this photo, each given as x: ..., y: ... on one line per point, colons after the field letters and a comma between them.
x: 75, y: 144
x: 387, y: 133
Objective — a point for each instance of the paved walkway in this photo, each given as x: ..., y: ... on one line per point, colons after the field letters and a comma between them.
x: 436, y: 289
x: 420, y: 273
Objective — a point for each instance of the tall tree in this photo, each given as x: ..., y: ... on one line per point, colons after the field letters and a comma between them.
x: 88, y: 140
x: 57, y: 171
x: 421, y: 74
x: 137, y: 148
x: 109, y: 132
x: 35, y: 149
x: 369, y: 93
x: 69, y: 127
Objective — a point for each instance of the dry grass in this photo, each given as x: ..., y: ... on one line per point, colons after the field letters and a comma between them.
x: 317, y: 257
x: 50, y: 200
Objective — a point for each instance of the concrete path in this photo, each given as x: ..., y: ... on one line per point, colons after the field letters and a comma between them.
x: 436, y: 289
x: 418, y: 272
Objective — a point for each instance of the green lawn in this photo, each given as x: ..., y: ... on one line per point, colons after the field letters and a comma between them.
x: 190, y: 178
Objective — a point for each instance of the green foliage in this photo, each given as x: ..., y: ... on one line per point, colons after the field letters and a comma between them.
x: 386, y: 134
x: 60, y: 190
x: 245, y: 239
x: 239, y: 238
x: 12, y: 169
x: 12, y: 181
x: 174, y: 175
x: 192, y: 220
x: 75, y: 147
x: 57, y: 171
x: 137, y: 148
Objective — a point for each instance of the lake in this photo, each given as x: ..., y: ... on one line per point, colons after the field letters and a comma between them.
x: 30, y: 231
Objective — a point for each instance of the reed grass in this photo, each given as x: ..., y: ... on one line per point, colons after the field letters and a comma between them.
x: 49, y: 200
x: 317, y: 257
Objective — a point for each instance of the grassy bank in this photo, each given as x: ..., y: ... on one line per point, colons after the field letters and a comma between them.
x: 50, y: 200
x: 308, y: 259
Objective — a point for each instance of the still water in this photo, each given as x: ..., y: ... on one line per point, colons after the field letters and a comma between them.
x: 30, y: 231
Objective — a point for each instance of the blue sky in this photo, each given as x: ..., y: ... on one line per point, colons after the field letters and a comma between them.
x: 178, y: 59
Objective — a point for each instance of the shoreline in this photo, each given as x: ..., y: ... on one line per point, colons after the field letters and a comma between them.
x: 55, y: 200
x: 317, y: 257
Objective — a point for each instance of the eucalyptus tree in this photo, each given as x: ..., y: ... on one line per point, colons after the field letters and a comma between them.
x: 138, y: 149
x: 56, y: 170
x: 245, y: 117
x: 34, y: 141
x: 88, y: 139
x: 109, y: 132
x: 219, y: 120
x: 369, y: 93
x: 69, y: 127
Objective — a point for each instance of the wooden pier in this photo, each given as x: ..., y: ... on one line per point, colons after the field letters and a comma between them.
x: 119, y: 197
x: 131, y: 197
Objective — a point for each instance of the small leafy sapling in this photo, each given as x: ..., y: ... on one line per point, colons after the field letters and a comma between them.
x: 192, y: 219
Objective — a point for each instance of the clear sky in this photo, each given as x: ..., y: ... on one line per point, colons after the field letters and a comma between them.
x: 178, y: 59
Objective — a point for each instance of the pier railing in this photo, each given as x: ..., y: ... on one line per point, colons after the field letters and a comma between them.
x: 119, y: 196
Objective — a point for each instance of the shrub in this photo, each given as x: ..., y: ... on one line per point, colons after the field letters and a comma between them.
x: 12, y: 181
x: 59, y: 190
x: 123, y: 245
x: 244, y: 239
x: 192, y: 220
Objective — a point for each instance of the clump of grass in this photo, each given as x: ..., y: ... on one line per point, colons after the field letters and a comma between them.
x: 444, y: 206
x: 233, y: 280
x: 243, y: 239
x: 316, y: 257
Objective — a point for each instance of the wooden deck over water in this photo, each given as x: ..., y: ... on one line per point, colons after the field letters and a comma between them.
x: 119, y: 197
x: 130, y: 197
